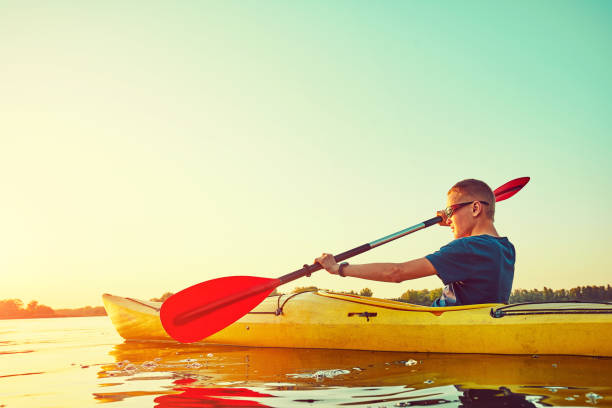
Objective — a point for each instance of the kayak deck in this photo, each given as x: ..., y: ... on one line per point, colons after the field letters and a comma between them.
x: 339, y: 321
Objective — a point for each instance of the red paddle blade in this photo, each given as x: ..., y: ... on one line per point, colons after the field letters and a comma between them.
x: 212, y: 397
x: 203, y: 309
x: 510, y: 188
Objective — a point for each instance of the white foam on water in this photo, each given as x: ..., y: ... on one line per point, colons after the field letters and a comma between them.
x: 279, y: 384
x: 320, y: 374
x: 228, y: 383
x: 149, y: 365
x: 592, y: 398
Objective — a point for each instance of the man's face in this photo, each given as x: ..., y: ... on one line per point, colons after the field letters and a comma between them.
x: 462, y: 221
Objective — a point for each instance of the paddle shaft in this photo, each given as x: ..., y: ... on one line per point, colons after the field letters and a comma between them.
x: 305, y: 271
x: 308, y: 269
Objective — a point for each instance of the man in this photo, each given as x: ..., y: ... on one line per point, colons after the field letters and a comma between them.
x: 476, y: 267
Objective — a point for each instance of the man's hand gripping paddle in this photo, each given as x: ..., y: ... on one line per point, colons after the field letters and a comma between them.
x: 203, y: 309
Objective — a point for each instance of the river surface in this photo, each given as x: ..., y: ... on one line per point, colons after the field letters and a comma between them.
x: 82, y: 362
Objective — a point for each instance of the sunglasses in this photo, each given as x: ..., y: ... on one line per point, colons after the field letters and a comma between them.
x: 450, y: 210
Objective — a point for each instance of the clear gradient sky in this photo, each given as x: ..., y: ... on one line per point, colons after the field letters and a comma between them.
x: 147, y: 146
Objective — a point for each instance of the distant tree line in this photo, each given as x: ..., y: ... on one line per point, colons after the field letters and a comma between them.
x: 583, y: 293
x: 275, y: 292
x: 162, y: 298
x: 425, y: 297
x: 14, y: 309
x: 363, y: 292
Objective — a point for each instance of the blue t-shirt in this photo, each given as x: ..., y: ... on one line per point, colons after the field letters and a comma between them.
x: 477, y: 269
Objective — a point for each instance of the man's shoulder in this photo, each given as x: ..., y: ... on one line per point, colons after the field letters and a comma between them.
x: 475, y: 244
x: 456, y: 246
x: 485, y: 244
x: 485, y: 239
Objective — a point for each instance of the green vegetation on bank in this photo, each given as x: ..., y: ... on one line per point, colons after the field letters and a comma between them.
x: 162, y: 298
x: 363, y: 292
x: 14, y: 309
x: 425, y: 296
x: 581, y: 293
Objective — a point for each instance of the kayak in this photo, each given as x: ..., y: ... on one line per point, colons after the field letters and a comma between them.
x: 340, y: 321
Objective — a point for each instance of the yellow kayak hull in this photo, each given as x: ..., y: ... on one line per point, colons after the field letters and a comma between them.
x: 338, y: 321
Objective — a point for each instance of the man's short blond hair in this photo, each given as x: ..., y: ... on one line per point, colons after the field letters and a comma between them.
x: 477, y: 190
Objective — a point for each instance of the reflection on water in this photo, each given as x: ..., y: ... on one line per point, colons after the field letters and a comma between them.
x: 383, y: 396
x: 82, y: 362
x: 215, y: 376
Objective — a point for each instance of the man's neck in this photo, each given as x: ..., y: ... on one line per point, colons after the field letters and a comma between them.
x: 485, y: 228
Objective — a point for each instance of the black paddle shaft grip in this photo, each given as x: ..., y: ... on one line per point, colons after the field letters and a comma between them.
x: 308, y: 269
x: 432, y: 221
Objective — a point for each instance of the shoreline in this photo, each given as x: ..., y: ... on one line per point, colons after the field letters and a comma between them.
x: 49, y: 317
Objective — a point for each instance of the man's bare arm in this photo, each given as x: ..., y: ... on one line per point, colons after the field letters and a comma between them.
x: 383, y: 272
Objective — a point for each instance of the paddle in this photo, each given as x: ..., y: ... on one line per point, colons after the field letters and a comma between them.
x: 203, y: 309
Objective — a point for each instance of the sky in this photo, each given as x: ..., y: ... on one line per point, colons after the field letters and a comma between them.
x: 149, y: 146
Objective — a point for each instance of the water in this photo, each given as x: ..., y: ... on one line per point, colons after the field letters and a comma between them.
x: 82, y: 362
